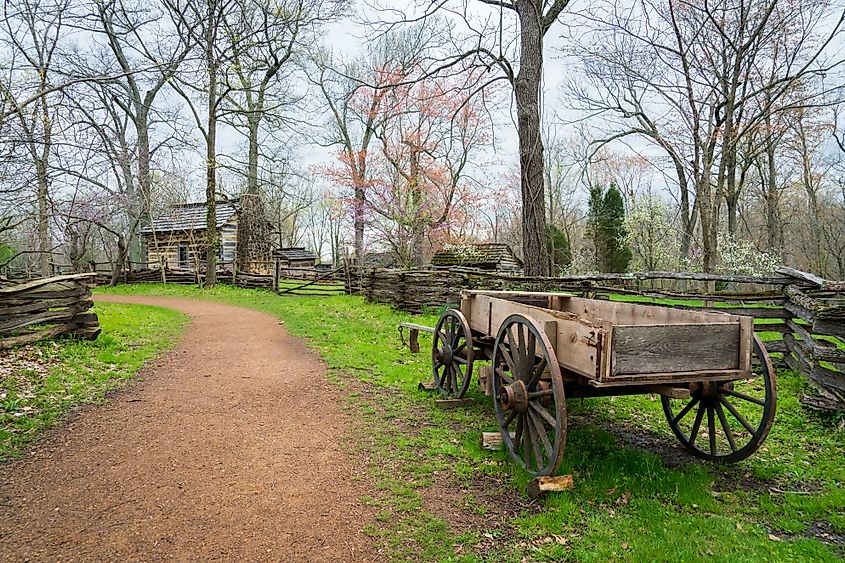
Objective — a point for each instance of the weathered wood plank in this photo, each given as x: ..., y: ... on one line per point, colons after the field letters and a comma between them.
x: 675, y: 348
x: 816, y: 350
x: 9, y: 342
x: 578, y: 340
x: 26, y: 287
x: 799, y: 362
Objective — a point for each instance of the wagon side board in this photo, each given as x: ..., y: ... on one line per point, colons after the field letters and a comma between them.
x: 640, y: 349
x: 581, y: 346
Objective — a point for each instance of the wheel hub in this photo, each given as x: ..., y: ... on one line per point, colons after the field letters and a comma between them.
x: 443, y: 355
x: 514, y: 397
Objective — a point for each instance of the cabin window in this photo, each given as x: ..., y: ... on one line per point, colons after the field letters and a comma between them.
x: 183, y: 256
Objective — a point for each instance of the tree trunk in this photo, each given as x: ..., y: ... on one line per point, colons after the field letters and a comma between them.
x: 212, y: 241
x: 774, y: 234
x: 358, y: 220
x: 43, y: 219
x: 119, y: 262
x: 137, y: 251
x: 527, y: 94
x: 705, y: 214
x: 253, y: 123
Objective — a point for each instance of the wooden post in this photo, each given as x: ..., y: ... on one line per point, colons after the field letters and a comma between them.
x: 485, y: 379
x: 163, y: 265
x: 235, y: 273
x: 414, y: 340
x: 276, y: 275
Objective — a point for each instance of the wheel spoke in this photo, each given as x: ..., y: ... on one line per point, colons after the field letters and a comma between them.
x: 697, y: 424
x: 513, y: 348
x: 505, y: 377
x: 541, y: 394
x: 725, y: 426
x: 526, y: 440
x: 744, y: 397
x: 711, y: 429
x: 517, y: 435
x: 508, y: 360
x: 541, y: 432
x: 685, y: 410
x: 461, y: 347
x: 544, y: 413
x: 459, y: 360
x: 530, y: 354
x: 442, y: 336
x: 509, y: 418
x: 535, y: 445
x: 538, y: 372
x: 523, y: 351
x: 736, y: 415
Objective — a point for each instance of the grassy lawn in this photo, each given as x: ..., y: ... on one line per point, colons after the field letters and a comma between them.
x: 441, y: 497
x: 41, y: 382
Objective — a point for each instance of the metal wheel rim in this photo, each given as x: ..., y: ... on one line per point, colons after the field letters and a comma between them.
x: 452, y: 378
x: 717, y: 415
x: 533, y: 419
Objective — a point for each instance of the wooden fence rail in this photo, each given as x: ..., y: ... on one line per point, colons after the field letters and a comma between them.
x: 309, y: 281
x: 802, y: 315
x: 46, y: 308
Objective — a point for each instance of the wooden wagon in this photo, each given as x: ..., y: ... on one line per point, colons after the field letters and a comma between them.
x: 715, y: 379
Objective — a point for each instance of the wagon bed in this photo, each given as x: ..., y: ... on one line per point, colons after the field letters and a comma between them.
x: 611, y: 343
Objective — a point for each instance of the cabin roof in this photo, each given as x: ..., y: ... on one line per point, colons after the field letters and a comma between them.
x: 190, y: 217
x: 376, y: 260
x: 489, y: 254
x: 294, y: 254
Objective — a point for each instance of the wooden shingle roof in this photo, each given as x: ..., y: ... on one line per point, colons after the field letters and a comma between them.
x: 294, y: 254
x: 190, y: 217
x: 481, y: 255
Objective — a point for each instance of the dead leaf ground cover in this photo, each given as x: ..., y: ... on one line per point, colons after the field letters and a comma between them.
x: 440, y: 497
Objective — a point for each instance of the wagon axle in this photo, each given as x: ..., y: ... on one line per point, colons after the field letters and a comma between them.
x: 443, y: 355
x: 513, y: 397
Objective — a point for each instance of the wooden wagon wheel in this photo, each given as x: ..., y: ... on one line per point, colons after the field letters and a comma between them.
x: 452, y: 354
x: 727, y: 421
x: 529, y: 397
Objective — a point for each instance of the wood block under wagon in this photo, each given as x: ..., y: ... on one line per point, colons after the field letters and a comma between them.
x: 675, y: 348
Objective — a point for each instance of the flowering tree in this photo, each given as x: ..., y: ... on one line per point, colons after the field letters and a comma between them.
x: 416, y: 191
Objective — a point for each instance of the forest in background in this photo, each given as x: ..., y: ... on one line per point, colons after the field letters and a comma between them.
x: 680, y: 135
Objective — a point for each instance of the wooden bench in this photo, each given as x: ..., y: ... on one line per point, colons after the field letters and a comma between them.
x: 413, y: 334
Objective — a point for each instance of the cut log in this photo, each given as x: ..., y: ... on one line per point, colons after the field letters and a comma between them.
x: 493, y: 440
x: 542, y: 485
x: 453, y: 403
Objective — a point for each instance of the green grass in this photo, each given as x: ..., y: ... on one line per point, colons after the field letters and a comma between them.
x: 42, y: 382
x: 627, y: 503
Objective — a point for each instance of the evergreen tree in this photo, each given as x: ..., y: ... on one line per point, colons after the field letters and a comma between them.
x: 607, y: 229
x: 560, y: 250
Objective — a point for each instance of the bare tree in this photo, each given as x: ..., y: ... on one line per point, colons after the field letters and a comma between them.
x: 698, y: 80
x: 148, y: 57
x: 205, y: 27
x: 35, y: 31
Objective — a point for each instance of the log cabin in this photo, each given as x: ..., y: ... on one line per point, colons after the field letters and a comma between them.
x: 489, y: 256
x: 295, y: 257
x: 177, y: 236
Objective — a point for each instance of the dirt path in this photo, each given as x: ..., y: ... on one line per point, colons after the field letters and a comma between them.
x: 229, y: 449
